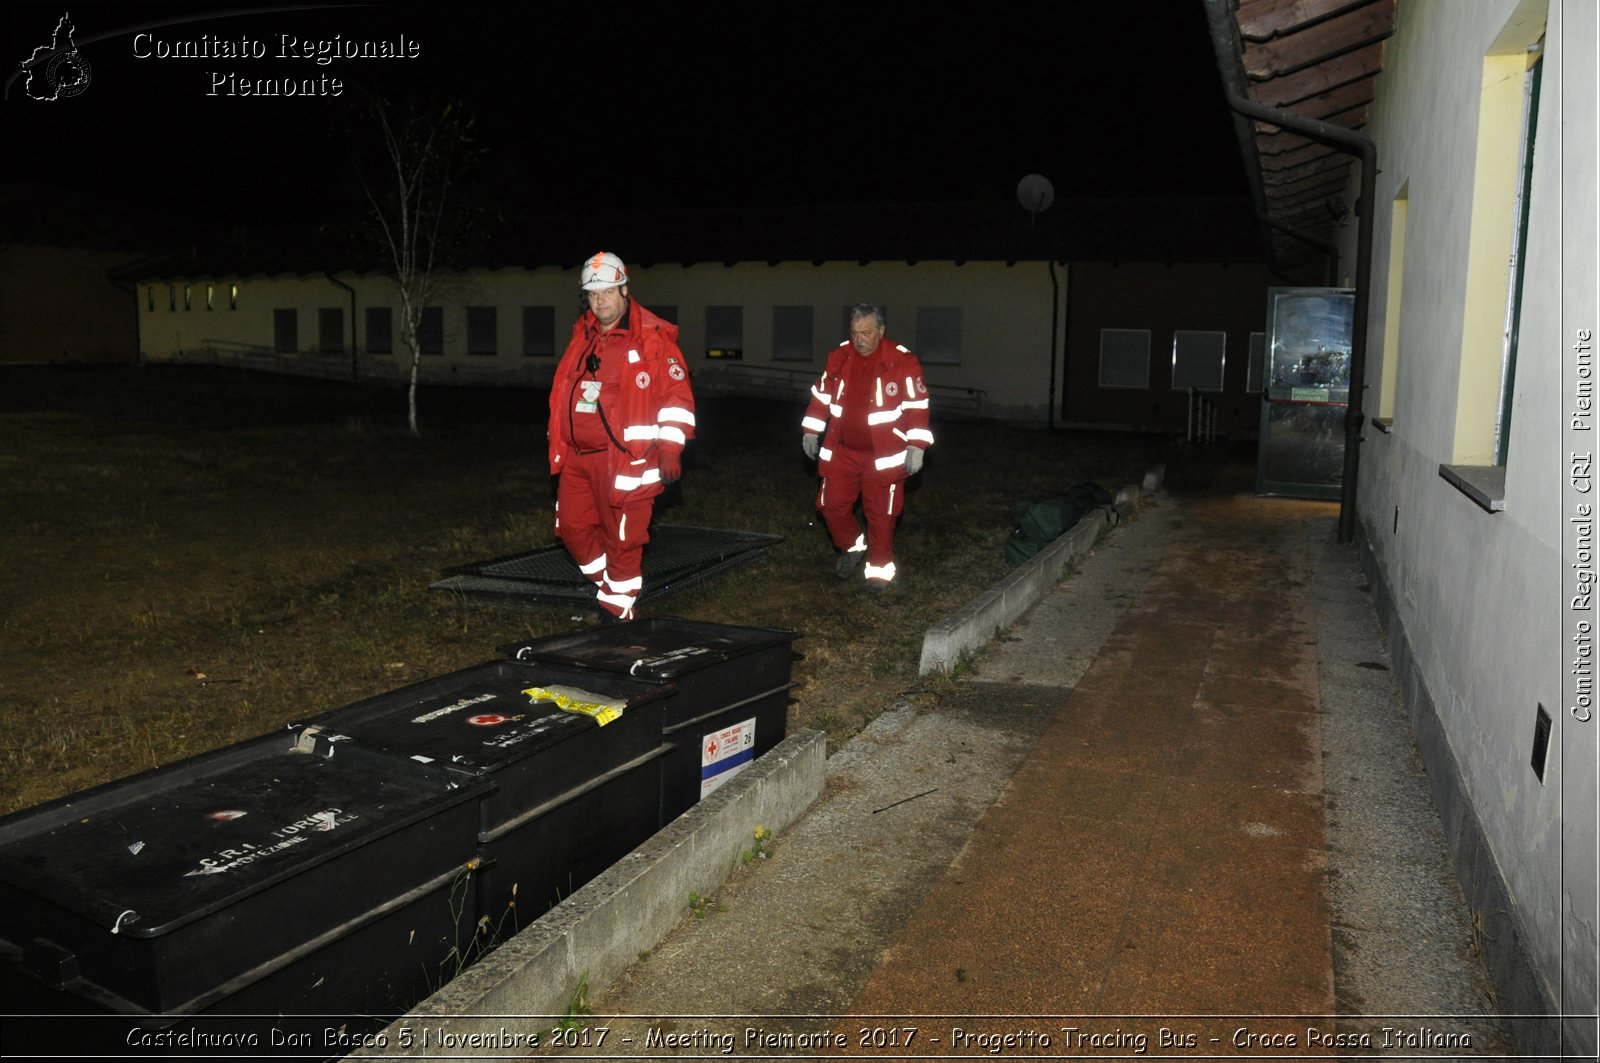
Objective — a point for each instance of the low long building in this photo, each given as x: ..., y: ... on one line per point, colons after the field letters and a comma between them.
x: 998, y: 337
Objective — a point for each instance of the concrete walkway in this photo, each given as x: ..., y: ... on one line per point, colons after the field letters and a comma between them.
x: 1173, y: 811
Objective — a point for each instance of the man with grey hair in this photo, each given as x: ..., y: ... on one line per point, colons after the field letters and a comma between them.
x: 872, y: 403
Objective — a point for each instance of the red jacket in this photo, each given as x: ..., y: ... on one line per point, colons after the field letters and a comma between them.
x: 897, y: 410
x: 652, y: 410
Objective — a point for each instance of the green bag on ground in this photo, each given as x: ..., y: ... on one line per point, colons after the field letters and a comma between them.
x: 1037, y: 522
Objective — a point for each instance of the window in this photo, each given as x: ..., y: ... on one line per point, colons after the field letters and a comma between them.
x: 211, y: 295
x: 792, y: 333
x: 233, y: 297
x: 1391, y: 310
x: 539, y: 331
x: 938, y: 335
x: 1125, y: 358
x: 380, y: 330
x: 724, y: 332
x: 1491, y: 316
x: 430, y: 330
x: 1519, y: 249
x: 285, y: 331
x: 483, y: 333
x: 188, y: 297
x: 1198, y: 360
x: 150, y: 302
x: 330, y: 330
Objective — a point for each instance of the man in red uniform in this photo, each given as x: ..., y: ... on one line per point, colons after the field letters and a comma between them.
x: 621, y: 411
x: 874, y: 406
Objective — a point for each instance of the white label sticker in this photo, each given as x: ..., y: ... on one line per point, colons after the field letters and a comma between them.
x: 725, y: 753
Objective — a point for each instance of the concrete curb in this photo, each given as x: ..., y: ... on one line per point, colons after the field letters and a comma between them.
x: 601, y: 930
x: 971, y: 627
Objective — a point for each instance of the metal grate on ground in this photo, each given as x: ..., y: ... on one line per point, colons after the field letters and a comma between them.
x: 676, y: 557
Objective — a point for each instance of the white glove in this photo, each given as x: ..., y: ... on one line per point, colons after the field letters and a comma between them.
x: 913, y: 460
x: 811, y: 443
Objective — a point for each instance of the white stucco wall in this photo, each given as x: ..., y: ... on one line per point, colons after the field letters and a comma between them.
x: 1005, y: 318
x: 1482, y: 596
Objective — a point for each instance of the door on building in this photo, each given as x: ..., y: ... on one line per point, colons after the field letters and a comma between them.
x: 1307, y: 392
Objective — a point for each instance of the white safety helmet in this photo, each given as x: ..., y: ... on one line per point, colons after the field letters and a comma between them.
x: 604, y: 270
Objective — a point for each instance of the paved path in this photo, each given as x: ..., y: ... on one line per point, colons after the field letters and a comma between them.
x: 1119, y: 834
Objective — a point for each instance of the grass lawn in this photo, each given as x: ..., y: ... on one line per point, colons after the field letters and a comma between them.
x: 195, y: 556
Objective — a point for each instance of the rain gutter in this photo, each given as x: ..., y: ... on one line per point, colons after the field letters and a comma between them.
x: 1225, y: 43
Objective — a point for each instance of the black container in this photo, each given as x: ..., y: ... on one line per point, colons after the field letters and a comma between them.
x: 480, y: 723
x: 732, y: 687
x: 206, y: 885
x: 536, y: 860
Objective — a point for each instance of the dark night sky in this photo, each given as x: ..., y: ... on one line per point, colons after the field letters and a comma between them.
x: 612, y: 106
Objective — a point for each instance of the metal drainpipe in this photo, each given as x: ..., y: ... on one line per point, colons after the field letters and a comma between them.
x: 1225, y: 43
x: 355, y: 373
x: 1066, y: 338
x: 1055, y: 299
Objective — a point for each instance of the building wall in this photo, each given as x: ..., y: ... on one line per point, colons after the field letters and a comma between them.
x: 1163, y: 298
x: 56, y: 305
x: 1003, y: 312
x: 1004, y: 317
x: 1477, y: 602
x: 994, y: 320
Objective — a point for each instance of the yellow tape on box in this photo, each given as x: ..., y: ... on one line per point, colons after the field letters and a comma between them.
x: 571, y: 699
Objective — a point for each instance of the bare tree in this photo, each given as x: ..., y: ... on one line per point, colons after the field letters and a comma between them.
x: 409, y: 178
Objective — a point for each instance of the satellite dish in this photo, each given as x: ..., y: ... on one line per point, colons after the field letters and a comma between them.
x: 1035, y: 193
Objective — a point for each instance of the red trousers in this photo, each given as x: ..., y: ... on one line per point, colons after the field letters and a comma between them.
x: 607, y: 541
x: 851, y: 478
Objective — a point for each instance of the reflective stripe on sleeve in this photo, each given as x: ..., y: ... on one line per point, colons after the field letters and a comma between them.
x: 633, y: 483
x: 813, y: 424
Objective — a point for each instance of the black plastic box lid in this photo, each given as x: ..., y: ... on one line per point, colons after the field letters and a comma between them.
x: 143, y: 856
x: 657, y: 649
x: 480, y: 719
